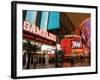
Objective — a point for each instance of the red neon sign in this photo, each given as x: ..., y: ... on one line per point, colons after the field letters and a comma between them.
x: 76, y: 44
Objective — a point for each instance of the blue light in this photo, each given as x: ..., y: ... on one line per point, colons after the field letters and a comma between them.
x: 44, y: 20
x: 54, y: 20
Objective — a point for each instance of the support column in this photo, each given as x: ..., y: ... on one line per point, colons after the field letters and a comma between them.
x: 41, y: 58
x: 46, y: 58
x: 38, y: 58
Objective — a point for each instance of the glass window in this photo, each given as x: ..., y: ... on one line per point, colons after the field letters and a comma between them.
x: 31, y: 16
x: 54, y: 20
x: 44, y: 20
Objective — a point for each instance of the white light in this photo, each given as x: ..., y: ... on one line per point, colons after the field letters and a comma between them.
x: 46, y: 47
x: 58, y: 47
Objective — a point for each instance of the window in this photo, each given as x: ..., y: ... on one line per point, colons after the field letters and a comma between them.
x: 31, y: 16
x: 54, y: 20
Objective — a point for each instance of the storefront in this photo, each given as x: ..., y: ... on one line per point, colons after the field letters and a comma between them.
x: 44, y: 42
x: 72, y: 45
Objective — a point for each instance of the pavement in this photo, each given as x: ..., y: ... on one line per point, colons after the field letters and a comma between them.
x: 65, y: 64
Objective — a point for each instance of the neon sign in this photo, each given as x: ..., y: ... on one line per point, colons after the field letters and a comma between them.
x: 35, y: 30
x: 76, y: 44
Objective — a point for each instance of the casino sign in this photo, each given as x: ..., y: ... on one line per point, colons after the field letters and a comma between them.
x: 34, y: 33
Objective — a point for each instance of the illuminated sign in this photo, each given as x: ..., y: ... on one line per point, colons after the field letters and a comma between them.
x: 35, y: 30
x: 76, y: 44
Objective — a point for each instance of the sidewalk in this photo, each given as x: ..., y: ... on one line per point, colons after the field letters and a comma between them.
x: 65, y: 64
